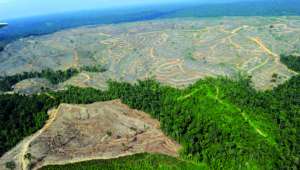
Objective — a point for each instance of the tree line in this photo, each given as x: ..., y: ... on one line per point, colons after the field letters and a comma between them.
x: 291, y: 61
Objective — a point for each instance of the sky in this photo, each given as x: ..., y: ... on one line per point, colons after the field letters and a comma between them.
x: 23, y: 8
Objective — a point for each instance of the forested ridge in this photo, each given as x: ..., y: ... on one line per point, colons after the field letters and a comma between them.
x: 224, y: 123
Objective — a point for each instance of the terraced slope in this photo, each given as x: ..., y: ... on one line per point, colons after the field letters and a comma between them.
x: 176, y: 52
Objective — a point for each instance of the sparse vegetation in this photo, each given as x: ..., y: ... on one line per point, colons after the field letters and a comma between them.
x: 10, y: 165
x: 108, y: 133
x: 95, y: 68
x: 189, y: 54
x: 28, y: 156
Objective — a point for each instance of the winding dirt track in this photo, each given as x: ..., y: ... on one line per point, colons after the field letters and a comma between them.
x: 24, y: 149
x: 88, y: 77
x: 75, y: 62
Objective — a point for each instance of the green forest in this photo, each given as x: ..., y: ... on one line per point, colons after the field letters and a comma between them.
x: 224, y: 123
x: 142, y: 161
x: 291, y: 61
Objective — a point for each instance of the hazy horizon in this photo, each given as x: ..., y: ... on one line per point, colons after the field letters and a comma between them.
x: 10, y: 9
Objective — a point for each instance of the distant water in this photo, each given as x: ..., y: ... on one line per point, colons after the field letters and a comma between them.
x: 48, y: 24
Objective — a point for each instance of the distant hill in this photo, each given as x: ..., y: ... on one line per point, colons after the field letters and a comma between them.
x: 48, y: 24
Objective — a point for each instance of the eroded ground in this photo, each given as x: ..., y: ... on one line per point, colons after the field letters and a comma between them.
x: 102, y: 130
x: 176, y: 52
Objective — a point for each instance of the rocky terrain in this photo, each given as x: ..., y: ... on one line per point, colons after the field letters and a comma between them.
x: 176, y: 52
x: 102, y: 130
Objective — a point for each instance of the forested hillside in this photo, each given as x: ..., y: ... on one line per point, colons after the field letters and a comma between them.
x: 134, y: 162
x: 291, y: 61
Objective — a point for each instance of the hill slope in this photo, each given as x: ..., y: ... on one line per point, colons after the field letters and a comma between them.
x: 176, y: 52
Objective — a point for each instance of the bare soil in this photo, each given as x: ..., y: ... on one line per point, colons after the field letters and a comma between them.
x: 102, y: 130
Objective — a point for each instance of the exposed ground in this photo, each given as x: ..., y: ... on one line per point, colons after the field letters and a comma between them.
x: 177, y: 52
x: 32, y: 86
x: 102, y: 130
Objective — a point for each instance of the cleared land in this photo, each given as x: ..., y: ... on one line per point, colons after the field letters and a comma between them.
x: 177, y: 52
x: 102, y: 130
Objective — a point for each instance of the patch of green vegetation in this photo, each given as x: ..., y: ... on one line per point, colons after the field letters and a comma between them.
x: 189, y: 54
x: 291, y: 61
x: 95, y: 68
x: 10, y: 165
x: 135, y: 162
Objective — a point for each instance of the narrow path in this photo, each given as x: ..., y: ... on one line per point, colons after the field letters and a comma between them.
x: 49, y: 95
x: 173, y: 63
x: 75, y: 62
x: 258, y: 66
x: 264, y: 48
x: 257, y: 41
x: 152, y: 52
x: 164, y: 37
x: 188, y: 95
x: 243, y: 114
x: 25, y: 147
x: 247, y: 119
x: 88, y: 77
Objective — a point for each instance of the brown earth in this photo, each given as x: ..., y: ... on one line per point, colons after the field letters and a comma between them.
x: 102, y: 130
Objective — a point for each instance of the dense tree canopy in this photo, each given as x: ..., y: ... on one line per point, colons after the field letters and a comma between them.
x: 135, y: 162
x: 291, y: 61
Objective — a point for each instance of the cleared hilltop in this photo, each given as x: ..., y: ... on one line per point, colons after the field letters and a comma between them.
x: 102, y: 130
